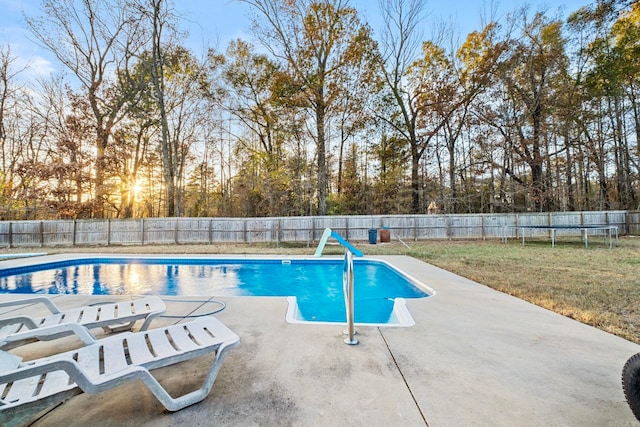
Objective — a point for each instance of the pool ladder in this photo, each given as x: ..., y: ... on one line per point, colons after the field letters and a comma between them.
x: 347, y: 288
x: 347, y: 278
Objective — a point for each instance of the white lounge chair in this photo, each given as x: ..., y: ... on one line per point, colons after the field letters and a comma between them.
x: 26, y: 387
x: 112, y: 317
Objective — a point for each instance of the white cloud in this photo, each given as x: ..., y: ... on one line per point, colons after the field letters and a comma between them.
x: 27, y: 64
x: 38, y: 66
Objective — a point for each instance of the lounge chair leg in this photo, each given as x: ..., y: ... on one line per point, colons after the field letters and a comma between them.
x: 177, y: 403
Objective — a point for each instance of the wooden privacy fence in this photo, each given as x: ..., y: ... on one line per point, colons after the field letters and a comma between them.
x: 633, y: 223
x: 154, y: 231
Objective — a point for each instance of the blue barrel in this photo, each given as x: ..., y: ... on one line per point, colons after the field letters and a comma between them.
x: 373, y: 236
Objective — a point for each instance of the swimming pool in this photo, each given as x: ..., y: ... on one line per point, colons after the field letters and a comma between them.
x: 314, y: 285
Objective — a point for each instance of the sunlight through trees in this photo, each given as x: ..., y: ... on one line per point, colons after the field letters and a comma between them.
x: 318, y: 114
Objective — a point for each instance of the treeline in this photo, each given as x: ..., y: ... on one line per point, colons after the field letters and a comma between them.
x: 318, y: 114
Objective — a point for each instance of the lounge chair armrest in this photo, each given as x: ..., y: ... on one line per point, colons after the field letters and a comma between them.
x: 32, y: 300
x: 54, y: 330
x: 27, y: 321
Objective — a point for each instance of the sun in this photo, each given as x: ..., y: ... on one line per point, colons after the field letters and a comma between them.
x: 137, y: 188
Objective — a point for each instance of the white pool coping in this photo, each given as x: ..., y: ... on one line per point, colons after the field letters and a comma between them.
x: 22, y: 255
x: 400, y: 315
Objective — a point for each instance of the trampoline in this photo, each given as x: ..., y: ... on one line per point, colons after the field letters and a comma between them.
x: 607, y: 231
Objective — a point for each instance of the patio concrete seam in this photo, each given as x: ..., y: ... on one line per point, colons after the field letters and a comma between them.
x: 406, y: 383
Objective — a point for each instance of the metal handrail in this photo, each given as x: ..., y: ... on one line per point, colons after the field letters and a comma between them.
x: 347, y: 287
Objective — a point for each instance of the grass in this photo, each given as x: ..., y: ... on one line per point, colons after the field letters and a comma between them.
x: 597, y: 286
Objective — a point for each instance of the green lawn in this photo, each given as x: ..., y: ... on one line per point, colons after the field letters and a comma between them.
x: 597, y: 286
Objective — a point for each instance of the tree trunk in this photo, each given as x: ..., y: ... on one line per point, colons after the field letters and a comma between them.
x: 340, y: 161
x: 322, y: 161
x: 157, y: 74
x: 100, y: 169
x: 452, y: 174
x: 415, y: 178
x: 571, y: 203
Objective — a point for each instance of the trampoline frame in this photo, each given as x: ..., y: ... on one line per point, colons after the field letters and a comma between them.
x: 608, y: 231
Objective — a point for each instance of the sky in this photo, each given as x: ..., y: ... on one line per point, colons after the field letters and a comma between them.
x: 213, y: 23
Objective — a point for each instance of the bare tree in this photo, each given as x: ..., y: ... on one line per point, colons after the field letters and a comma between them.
x: 93, y: 39
x: 400, y: 47
x: 8, y: 94
x: 11, y: 150
x: 532, y: 70
x: 319, y: 41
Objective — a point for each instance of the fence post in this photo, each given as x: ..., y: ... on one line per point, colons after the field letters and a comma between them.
x: 175, y: 231
x: 210, y: 230
x: 627, y: 221
x: 108, y: 231
x: 73, y: 235
x: 346, y: 225
x: 10, y: 234
x: 142, y: 232
x: 279, y: 231
x: 41, y: 234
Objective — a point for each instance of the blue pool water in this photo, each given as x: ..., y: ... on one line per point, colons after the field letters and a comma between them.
x: 316, y: 284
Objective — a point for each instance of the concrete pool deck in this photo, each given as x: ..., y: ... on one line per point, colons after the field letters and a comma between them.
x: 476, y: 357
